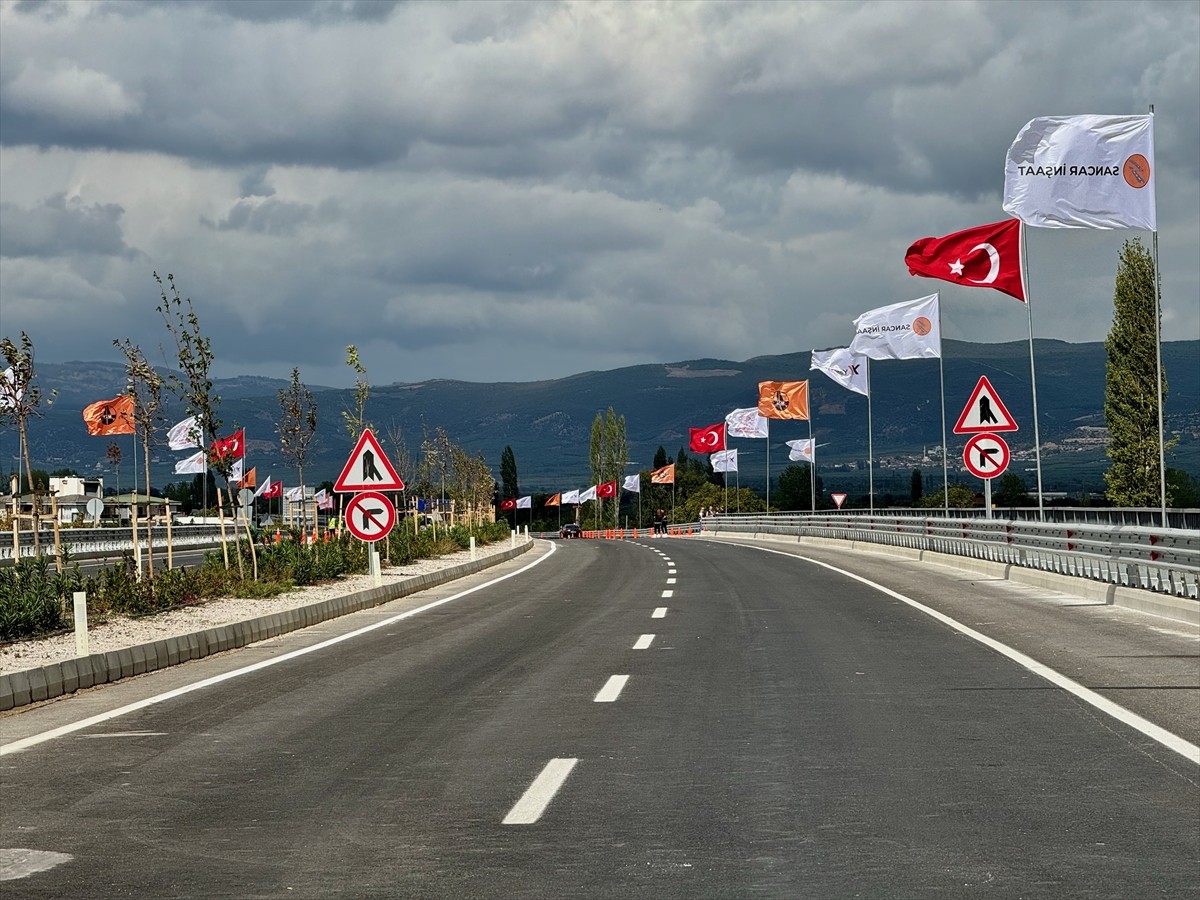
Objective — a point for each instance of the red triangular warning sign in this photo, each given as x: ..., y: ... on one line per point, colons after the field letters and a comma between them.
x: 368, y: 469
x: 984, y: 412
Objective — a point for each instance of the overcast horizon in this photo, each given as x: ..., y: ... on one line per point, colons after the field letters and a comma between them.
x: 523, y: 191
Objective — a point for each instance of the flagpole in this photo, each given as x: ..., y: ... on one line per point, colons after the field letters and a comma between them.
x: 768, y: 466
x: 1162, y: 437
x: 945, y: 449
x: 812, y: 469
x: 1037, y: 441
x: 870, y: 445
x: 1162, y: 455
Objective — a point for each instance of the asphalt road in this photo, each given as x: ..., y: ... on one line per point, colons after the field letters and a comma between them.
x: 667, y: 718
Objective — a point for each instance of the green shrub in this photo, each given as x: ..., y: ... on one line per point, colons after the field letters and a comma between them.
x: 30, y: 603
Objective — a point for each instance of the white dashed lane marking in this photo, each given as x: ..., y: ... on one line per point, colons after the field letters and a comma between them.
x: 612, y: 689
x: 539, y: 794
x: 659, y: 613
x: 668, y: 594
x: 644, y: 642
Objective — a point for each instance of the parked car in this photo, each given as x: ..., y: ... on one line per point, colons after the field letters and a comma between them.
x: 570, y: 530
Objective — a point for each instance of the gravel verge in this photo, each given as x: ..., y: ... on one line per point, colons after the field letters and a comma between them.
x: 120, y: 631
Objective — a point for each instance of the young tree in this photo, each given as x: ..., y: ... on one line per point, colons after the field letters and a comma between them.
x: 296, y: 429
x: 356, y: 419
x: 144, y: 386
x: 795, y: 489
x: 20, y: 400
x: 194, y: 386
x: 1011, y: 491
x: 114, y: 456
x: 1131, y: 396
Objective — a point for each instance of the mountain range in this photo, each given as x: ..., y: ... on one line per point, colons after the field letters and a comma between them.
x: 548, y: 423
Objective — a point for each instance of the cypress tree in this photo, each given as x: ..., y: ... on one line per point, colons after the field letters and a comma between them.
x: 1130, y: 397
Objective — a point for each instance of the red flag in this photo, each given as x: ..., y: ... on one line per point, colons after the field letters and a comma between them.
x: 606, y: 489
x: 274, y: 490
x: 708, y: 440
x: 988, y: 256
x: 233, y: 447
x: 511, y: 503
x: 110, y: 416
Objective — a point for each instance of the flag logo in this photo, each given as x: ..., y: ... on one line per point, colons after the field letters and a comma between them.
x: 1136, y: 171
x: 922, y: 325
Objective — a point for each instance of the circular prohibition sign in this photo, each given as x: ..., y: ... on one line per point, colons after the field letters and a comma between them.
x: 370, y: 516
x: 986, y: 455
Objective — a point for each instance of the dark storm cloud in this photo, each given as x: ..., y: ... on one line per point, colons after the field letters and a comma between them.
x: 520, y: 190
x: 62, y: 227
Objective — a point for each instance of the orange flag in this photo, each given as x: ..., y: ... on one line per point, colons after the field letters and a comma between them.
x: 110, y: 416
x: 555, y: 500
x: 251, y: 479
x: 783, y: 399
x: 665, y: 475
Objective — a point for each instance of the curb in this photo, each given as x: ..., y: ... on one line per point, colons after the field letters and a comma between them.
x: 55, y: 680
x: 1166, y: 606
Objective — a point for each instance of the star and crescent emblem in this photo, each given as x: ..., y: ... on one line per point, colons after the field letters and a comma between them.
x: 956, y: 267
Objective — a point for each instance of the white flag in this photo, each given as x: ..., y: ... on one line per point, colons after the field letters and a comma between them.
x: 908, y: 330
x: 265, y: 486
x: 724, y: 461
x: 569, y: 497
x: 802, y: 450
x: 846, y: 368
x: 193, y: 464
x: 294, y: 495
x: 633, y: 484
x: 746, y: 423
x: 184, y: 435
x: 235, y: 472
x: 1082, y: 172
x: 589, y: 494
x: 525, y: 502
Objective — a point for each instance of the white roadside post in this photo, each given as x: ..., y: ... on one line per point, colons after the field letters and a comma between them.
x: 81, y: 628
x: 472, y: 548
x: 376, y: 570
x: 512, y: 538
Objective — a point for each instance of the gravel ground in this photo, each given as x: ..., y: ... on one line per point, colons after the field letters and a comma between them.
x: 120, y: 631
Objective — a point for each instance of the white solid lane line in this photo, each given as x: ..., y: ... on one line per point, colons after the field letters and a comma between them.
x: 539, y: 794
x: 659, y: 613
x: 1183, y: 747
x: 33, y: 740
x: 612, y: 689
x: 644, y: 642
x: 668, y: 594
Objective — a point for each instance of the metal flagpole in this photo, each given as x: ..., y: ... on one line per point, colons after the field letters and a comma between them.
x: 1037, y: 441
x: 870, y: 446
x: 1162, y: 455
x: 768, y: 442
x: 812, y: 468
x: 945, y: 449
x: 1162, y: 437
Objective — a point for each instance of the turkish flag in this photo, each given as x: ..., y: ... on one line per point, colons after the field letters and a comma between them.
x: 606, y: 489
x: 233, y: 446
x: 988, y: 256
x: 508, y: 504
x: 274, y: 490
x: 708, y: 440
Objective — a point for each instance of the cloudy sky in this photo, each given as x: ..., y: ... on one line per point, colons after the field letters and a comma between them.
x: 514, y: 191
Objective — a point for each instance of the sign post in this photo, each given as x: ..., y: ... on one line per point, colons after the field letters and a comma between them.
x: 369, y: 515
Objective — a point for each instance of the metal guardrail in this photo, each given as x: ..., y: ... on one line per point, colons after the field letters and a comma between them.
x: 108, y: 540
x: 1163, y: 560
